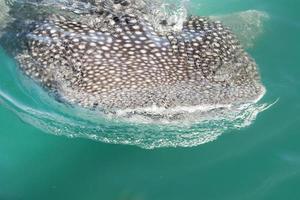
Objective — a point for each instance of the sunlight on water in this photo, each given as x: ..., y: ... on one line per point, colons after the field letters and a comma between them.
x: 150, y: 127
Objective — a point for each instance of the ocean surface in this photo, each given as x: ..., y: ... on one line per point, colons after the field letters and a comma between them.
x: 254, y: 157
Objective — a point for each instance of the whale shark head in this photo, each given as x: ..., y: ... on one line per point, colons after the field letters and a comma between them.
x: 123, y: 61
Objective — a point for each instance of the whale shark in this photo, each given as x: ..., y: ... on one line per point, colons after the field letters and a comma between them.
x: 116, y: 58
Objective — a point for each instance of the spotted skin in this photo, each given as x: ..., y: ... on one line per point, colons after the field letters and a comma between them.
x: 128, y: 64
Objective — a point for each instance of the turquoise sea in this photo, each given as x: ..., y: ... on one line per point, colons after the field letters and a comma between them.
x: 258, y: 161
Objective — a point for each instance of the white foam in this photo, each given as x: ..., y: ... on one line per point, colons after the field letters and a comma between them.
x: 198, y: 124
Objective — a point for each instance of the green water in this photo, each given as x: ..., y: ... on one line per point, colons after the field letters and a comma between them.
x: 261, y: 161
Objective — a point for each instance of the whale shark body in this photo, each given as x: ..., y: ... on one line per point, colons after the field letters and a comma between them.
x: 124, y: 61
